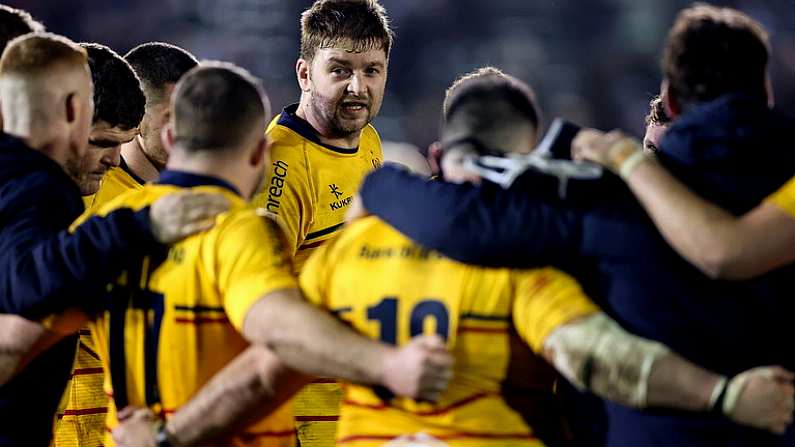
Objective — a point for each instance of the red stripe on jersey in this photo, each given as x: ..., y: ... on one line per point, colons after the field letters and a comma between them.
x: 434, y: 412
x: 457, y: 435
x: 88, y: 350
x: 83, y: 412
x: 324, y: 381
x: 86, y: 371
x: 317, y: 418
x: 201, y: 320
x: 268, y: 434
x: 109, y: 394
x: 539, y: 284
x: 483, y: 330
x: 84, y: 332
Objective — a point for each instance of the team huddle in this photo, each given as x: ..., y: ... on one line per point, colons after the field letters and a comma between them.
x: 180, y: 267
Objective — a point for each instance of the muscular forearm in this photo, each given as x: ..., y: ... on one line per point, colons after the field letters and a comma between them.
x: 252, y: 386
x: 312, y: 341
x: 677, y: 383
x: 597, y: 354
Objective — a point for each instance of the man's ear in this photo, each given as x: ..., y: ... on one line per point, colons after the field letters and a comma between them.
x: 260, y: 154
x: 167, y: 137
x: 302, y: 69
x: 435, y: 157
x: 668, y: 96
x: 72, y: 107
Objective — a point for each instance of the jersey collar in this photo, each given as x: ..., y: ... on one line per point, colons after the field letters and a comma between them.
x: 189, y: 179
x: 290, y: 120
x: 126, y: 168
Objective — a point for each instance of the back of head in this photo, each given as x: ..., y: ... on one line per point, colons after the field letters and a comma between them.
x: 216, y: 107
x: 118, y: 98
x: 496, y: 110
x: 359, y: 25
x: 14, y: 23
x: 158, y: 65
x: 712, y: 51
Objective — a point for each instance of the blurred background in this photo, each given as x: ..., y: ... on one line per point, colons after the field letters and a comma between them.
x: 595, y: 62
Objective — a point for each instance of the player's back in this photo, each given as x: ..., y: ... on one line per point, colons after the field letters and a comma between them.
x: 171, y: 322
x: 391, y: 289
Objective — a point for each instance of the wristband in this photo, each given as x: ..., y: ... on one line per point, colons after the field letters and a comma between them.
x: 619, y: 152
x: 630, y: 163
x: 718, y: 396
x: 162, y: 437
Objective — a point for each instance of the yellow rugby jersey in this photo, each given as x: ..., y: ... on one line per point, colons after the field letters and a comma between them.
x: 171, y: 323
x: 309, y: 187
x: 784, y: 198
x: 114, y: 183
x: 391, y: 289
x: 81, y: 418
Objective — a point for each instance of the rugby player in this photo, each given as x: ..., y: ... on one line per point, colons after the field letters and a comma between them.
x: 409, y: 290
x: 597, y: 230
x: 169, y: 324
x: 46, y: 91
x: 719, y: 242
x: 118, y: 108
x: 323, y: 146
x: 14, y: 23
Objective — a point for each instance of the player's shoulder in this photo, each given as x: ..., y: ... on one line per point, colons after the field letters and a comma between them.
x: 132, y: 198
x: 370, y: 139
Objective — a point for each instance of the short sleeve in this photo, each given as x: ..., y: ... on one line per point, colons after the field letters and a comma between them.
x: 544, y: 300
x: 784, y: 198
x: 251, y: 262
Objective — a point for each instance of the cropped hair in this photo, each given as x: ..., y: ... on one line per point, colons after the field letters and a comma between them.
x: 158, y: 64
x: 216, y: 106
x: 14, y: 23
x: 358, y: 25
x: 36, y: 53
x: 118, y: 97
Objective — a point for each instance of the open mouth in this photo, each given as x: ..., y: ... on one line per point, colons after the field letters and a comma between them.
x: 354, y: 107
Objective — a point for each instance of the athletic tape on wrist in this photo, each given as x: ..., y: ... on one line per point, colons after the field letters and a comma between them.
x: 631, y: 163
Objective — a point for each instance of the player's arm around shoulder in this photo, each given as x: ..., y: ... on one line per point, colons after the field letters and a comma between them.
x: 593, y: 352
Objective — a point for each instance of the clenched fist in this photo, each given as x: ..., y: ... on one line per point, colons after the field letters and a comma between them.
x: 420, y: 370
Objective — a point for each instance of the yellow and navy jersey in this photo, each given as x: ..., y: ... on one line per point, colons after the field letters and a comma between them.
x: 391, y: 289
x: 310, y: 185
x: 80, y: 420
x: 174, y: 320
x: 115, y: 182
x: 784, y: 198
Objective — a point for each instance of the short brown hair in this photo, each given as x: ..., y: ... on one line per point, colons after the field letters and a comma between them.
x: 362, y: 24
x: 215, y: 106
x: 118, y: 97
x: 14, y: 23
x: 493, y: 85
x: 712, y: 51
x: 35, y: 53
x: 657, y: 115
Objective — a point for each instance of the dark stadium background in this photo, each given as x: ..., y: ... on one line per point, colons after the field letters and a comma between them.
x: 594, y: 61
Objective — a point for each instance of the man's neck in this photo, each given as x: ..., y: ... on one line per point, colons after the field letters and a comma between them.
x: 322, y: 129
x: 41, y: 142
x: 135, y: 158
x: 218, y: 167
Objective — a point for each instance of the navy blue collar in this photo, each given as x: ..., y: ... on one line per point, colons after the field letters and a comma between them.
x: 189, y: 180
x: 290, y: 120
x: 124, y: 167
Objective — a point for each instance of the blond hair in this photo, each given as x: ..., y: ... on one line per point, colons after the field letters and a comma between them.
x: 36, y: 53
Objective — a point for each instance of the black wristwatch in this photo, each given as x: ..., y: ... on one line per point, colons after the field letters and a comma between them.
x: 162, y: 438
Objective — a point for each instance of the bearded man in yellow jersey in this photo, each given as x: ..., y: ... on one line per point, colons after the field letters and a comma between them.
x: 169, y: 323
x: 323, y: 147
x: 409, y: 290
